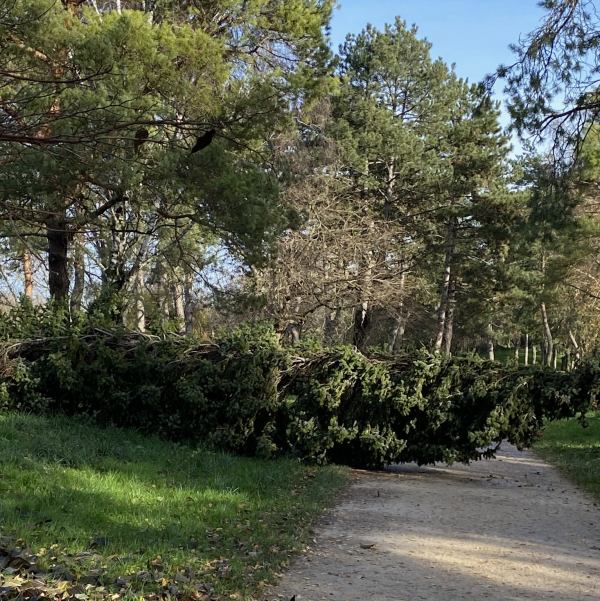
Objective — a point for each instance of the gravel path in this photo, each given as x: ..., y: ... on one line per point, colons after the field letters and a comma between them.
x: 499, y: 530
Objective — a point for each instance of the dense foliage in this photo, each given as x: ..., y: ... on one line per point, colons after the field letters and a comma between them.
x: 247, y: 395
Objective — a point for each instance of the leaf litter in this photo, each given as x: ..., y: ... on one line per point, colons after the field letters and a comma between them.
x: 21, y: 579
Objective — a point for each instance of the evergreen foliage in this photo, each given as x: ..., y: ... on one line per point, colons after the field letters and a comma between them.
x: 249, y: 396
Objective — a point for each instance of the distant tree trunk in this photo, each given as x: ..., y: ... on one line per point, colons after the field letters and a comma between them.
x: 28, y: 273
x: 526, y: 349
x: 58, y: 250
x: 575, y: 346
x: 446, y: 275
x: 330, y: 333
x: 78, y: 273
x: 449, y: 326
x: 554, y: 356
x: 490, y: 342
x: 517, y: 347
x: 179, y: 306
x: 362, y: 321
x: 396, y: 337
x: 548, y: 334
x: 294, y: 331
x: 188, y: 309
x: 534, y: 353
x: 363, y: 313
x: 140, y: 309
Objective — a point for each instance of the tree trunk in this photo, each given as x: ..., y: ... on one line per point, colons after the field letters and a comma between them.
x: 78, y: 274
x: 362, y: 321
x: 534, y: 354
x: 547, y: 334
x: 58, y: 250
x: 140, y: 309
x: 441, y: 322
x: 188, y: 308
x: 575, y: 346
x: 526, y: 349
x: 332, y: 319
x: 554, y: 356
x: 396, y: 337
x: 517, y: 347
x: 363, y: 312
x: 449, y: 326
x: 179, y: 306
x: 490, y: 343
x: 28, y: 273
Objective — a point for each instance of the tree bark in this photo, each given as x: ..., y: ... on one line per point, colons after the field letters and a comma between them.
x: 446, y: 275
x: 188, y: 308
x: 140, y: 309
x: 449, y: 325
x: 28, y: 273
x: 548, y: 334
x: 179, y: 306
x: 362, y: 321
x: 332, y: 319
x: 490, y: 343
x: 575, y: 346
x: 396, y: 337
x: 58, y: 250
x: 78, y: 274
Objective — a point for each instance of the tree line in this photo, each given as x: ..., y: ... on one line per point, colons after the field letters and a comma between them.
x: 190, y: 165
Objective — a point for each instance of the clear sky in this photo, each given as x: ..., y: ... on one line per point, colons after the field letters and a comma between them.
x: 474, y: 34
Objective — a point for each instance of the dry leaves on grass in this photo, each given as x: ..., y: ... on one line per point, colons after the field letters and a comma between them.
x: 22, y: 580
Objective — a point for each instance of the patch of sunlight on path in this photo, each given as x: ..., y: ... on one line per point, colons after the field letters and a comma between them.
x: 500, y: 530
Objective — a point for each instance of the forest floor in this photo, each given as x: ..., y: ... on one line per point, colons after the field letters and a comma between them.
x: 510, y: 528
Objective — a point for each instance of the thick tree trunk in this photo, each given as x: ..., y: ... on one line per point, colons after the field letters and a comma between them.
x: 58, y: 250
x: 548, y: 334
x: 446, y: 275
x: 449, y: 326
x: 526, y: 349
x: 78, y: 274
x: 27, y: 274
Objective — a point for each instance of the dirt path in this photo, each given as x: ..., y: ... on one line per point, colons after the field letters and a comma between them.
x: 498, y: 530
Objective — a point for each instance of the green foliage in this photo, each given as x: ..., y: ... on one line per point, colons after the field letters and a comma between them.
x: 249, y: 396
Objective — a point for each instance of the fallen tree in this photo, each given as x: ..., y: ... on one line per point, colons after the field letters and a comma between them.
x: 247, y: 395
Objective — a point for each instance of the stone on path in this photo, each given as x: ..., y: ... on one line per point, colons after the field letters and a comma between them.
x: 500, y: 530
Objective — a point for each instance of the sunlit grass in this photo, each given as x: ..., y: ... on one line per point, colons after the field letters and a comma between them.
x: 575, y: 451
x: 129, y: 504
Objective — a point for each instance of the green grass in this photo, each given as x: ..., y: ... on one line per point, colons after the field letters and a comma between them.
x: 163, y: 510
x: 575, y: 451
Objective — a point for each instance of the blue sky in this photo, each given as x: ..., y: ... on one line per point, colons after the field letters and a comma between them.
x: 474, y: 34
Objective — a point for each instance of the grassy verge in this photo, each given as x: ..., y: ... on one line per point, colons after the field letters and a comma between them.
x: 120, y: 513
x: 575, y: 451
